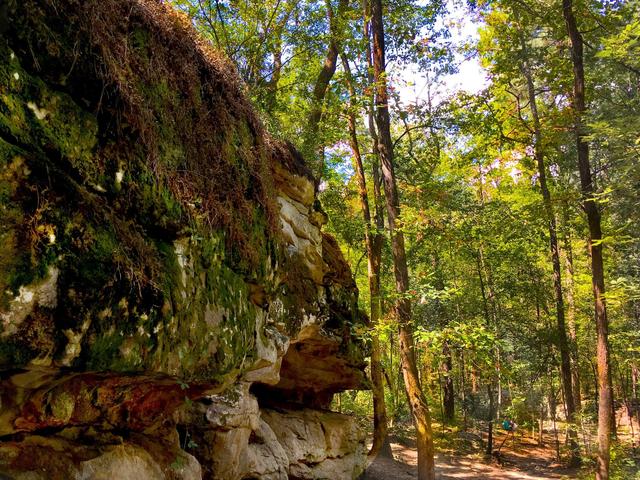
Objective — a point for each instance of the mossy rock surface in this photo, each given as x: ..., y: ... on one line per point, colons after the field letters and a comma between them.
x: 153, y: 228
x: 140, y: 226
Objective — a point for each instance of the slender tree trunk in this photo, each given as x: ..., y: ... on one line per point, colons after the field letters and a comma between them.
x: 614, y: 423
x: 499, y: 375
x: 375, y: 165
x: 378, y: 209
x: 605, y: 403
x: 571, y: 313
x: 415, y: 395
x: 563, y: 344
x: 489, y: 450
x: 373, y: 243
x: 487, y: 316
x: 463, y: 391
x: 447, y: 387
x: 541, y: 427
x: 271, y: 94
x: 446, y: 368
x: 322, y: 81
x: 553, y: 408
x: 272, y: 85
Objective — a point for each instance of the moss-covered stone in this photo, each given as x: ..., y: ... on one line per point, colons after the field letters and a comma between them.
x: 156, y: 245
x: 132, y: 166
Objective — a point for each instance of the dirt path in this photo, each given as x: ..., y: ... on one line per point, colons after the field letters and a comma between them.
x: 526, y: 462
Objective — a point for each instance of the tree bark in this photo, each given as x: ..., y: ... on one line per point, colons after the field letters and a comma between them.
x: 489, y: 449
x: 553, y: 409
x: 416, y: 397
x: 487, y: 316
x: 571, y: 314
x: 375, y: 165
x: 271, y: 93
x: 563, y: 344
x: 322, y: 81
x: 446, y: 367
x: 373, y: 245
x: 447, y: 387
x: 605, y: 400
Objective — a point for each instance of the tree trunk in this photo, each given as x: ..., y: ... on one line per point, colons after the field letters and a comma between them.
x: 571, y: 314
x: 322, y: 82
x: 416, y: 397
x: 489, y: 450
x: 271, y: 94
x: 541, y: 427
x: 563, y: 344
x: 373, y: 244
x: 375, y: 170
x: 553, y: 409
x: 605, y: 401
x: 446, y: 368
x: 447, y: 387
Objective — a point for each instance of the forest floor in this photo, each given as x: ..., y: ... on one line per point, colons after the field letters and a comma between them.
x: 524, y: 461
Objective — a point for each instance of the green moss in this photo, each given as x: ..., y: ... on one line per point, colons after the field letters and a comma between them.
x: 140, y: 39
x: 93, y: 270
x: 12, y: 170
x: 157, y: 205
x: 34, y: 114
x: 14, y: 353
x: 103, y: 351
x: 62, y: 405
x: 194, y: 174
x: 97, y: 258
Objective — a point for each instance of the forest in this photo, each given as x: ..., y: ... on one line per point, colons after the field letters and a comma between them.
x: 493, y: 230
x: 311, y: 239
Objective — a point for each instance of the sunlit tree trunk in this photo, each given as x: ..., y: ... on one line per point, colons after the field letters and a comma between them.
x: 605, y: 400
x: 563, y: 343
x: 378, y: 217
x: 415, y: 395
x: 373, y: 243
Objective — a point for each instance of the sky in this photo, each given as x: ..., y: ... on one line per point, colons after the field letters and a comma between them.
x: 470, y: 77
x: 411, y: 83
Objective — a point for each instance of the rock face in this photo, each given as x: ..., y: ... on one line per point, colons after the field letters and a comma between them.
x: 318, y: 444
x: 169, y: 306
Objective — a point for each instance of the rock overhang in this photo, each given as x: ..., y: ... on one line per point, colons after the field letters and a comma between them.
x: 129, y: 288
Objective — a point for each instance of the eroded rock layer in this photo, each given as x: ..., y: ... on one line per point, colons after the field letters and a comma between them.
x: 169, y: 307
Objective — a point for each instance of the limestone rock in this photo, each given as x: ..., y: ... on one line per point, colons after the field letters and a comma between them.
x: 39, y: 294
x: 126, y: 462
x: 136, y: 294
x: 236, y: 408
x: 62, y: 458
x: 271, y: 346
x: 300, y: 435
x: 266, y: 459
x: 319, y: 445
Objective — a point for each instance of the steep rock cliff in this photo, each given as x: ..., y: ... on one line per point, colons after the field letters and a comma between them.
x: 168, y: 302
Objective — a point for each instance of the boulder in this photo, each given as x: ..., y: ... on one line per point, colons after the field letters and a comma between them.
x: 71, y: 456
x: 165, y: 283
x: 319, y: 444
